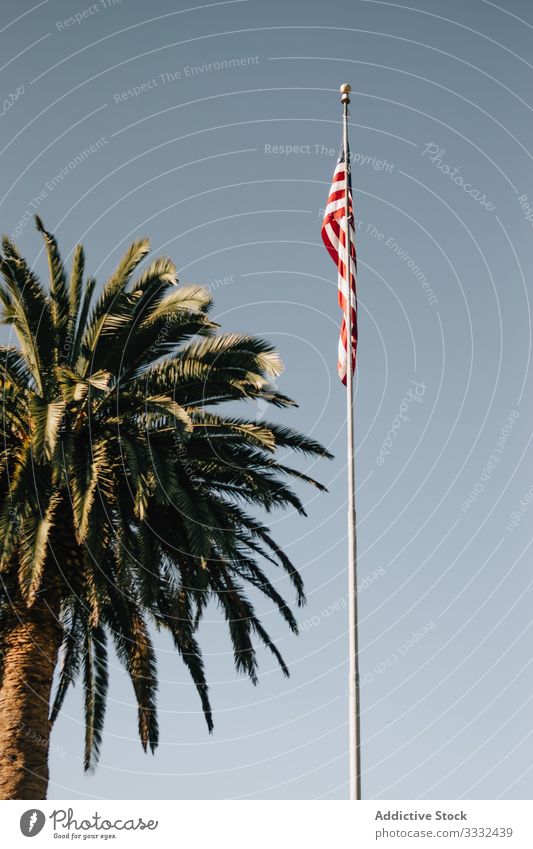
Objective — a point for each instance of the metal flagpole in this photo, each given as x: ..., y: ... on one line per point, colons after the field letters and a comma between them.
x: 354, y: 690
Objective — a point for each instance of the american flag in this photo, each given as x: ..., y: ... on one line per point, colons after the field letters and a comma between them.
x: 334, y: 228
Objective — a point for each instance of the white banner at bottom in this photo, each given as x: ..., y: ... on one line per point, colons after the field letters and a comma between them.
x: 267, y: 824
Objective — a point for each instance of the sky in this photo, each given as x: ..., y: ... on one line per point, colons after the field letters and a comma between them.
x: 214, y: 128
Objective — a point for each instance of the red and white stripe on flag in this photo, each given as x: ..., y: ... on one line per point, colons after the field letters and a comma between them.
x: 334, y: 228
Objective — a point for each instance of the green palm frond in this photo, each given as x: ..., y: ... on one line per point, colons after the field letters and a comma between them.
x: 126, y: 486
x: 75, y: 288
x: 59, y: 294
x: 14, y: 369
x: 96, y: 681
x: 71, y: 653
x: 159, y: 274
x: 114, y: 303
x: 17, y: 502
x: 235, y: 350
x: 134, y: 649
x: 79, y: 327
x: 177, y: 617
x: 88, y: 463
x: 35, y: 531
x: 74, y: 387
x: 26, y: 306
x: 45, y: 421
x: 179, y: 303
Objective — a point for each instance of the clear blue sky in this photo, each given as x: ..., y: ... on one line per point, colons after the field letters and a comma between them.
x: 226, y: 165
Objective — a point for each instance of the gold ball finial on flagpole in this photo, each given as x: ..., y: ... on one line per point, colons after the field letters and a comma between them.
x: 345, y: 90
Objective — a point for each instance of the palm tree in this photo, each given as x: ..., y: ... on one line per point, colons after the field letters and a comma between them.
x: 124, y: 496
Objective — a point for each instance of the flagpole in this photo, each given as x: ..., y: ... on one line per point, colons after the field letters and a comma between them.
x: 353, y: 622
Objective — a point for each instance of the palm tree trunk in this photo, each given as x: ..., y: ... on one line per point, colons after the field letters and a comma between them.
x: 30, y: 643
